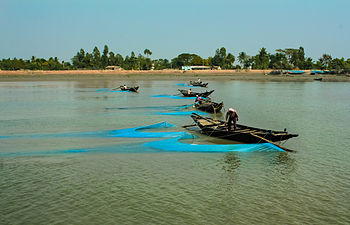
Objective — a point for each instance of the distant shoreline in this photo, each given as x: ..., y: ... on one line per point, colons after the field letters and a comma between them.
x: 244, y: 75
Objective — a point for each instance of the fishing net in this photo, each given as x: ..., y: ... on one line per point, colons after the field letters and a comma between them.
x: 185, y: 113
x: 138, y: 132
x: 174, y: 144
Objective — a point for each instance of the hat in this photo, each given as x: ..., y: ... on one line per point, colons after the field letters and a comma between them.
x: 196, y: 95
x: 231, y: 110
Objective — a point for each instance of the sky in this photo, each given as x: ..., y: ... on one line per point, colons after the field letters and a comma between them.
x: 60, y: 28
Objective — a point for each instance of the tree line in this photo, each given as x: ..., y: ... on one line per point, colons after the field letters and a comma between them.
x: 283, y: 59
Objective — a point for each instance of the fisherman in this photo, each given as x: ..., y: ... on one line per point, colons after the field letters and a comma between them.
x: 189, y: 91
x: 124, y: 87
x: 199, y: 80
x: 198, y: 100
x: 231, y: 117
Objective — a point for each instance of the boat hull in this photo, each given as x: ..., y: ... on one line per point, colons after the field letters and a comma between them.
x: 194, y: 94
x: 210, y: 107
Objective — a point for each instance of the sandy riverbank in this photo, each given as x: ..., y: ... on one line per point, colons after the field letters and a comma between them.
x: 245, y: 75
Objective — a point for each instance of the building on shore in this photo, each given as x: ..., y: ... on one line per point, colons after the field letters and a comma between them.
x: 113, y: 68
x: 198, y: 68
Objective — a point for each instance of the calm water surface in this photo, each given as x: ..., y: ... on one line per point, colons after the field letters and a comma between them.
x: 122, y: 182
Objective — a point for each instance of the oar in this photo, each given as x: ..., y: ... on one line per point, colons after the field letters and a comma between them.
x: 116, y: 88
x: 191, y: 125
x: 264, y: 139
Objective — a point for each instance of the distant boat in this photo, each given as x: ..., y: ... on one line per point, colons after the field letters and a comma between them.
x: 275, y: 72
x: 194, y: 94
x: 295, y: 71
x: 133, y: 89
x: 313, y: 72
x: 200, y: 83
x: 319, y: 79
x: 209, y: 106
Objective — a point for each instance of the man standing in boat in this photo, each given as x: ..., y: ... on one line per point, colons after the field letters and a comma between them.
x: 198, y: 100
x: 231, y: 117
x: 189, y: 91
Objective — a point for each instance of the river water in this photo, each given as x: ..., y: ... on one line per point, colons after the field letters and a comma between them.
x: 46, y: 177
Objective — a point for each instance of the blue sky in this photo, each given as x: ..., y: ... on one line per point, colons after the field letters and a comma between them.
x: 46, y: 28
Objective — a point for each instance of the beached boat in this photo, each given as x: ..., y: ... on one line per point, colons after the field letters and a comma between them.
x: 295, y: 71
x: 245, y: 134
x: 133, y: 89
x: 313, y: 72
x: 194, y: 94
x: 209, y: 106
x: 200, y: 84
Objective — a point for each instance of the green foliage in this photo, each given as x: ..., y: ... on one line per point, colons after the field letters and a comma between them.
x: 244, y: 60
x: 288, y: 58
x: 186, y: 59
x: 262, y: 60
x: 104, y: 58
x: 160, y: 64
x: 225, y: 61
x: 147, y: 52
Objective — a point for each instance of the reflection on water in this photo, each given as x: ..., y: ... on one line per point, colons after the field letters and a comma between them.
x: 284, y: 163
x: 103, y: 180
x: 231, y: 162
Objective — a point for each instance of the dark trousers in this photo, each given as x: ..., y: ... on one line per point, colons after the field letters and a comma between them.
x: 230, y: 122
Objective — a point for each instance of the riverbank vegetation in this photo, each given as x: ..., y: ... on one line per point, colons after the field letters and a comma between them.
x: 282, y: 59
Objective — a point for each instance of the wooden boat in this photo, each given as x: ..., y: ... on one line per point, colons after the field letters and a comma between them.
x: 200, y: 84
x: 295, y: 71
x: 194, y: 94
x: 313, y: 72
x: 209, y: 106
x: 319, y: 79
x: 246, y: 134
x: 133, y: 89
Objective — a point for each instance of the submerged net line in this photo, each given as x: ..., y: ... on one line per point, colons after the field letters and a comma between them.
x: 174, y: 144
x: 187, y: 85
x: 136, y: 132
x: 184, y: 113
x: 174, y: 107
x: 111, y: 90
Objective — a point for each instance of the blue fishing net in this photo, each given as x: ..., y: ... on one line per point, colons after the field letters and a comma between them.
x: 138, y: 132
x: 174, y: 144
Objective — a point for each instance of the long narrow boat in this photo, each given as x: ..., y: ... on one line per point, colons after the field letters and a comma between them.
x: 295, y: 71
x: 194, y: 94
x: 209, y: 106
x: 200, y: 84
x: 133, y: 89
x: 245, y: 134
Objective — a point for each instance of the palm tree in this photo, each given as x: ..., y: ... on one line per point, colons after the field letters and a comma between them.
x: 243, y: 59
x: 147, y: 52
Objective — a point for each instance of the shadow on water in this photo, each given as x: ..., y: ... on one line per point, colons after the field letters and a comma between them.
x: 283, y: 163
x: 231, y: 162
